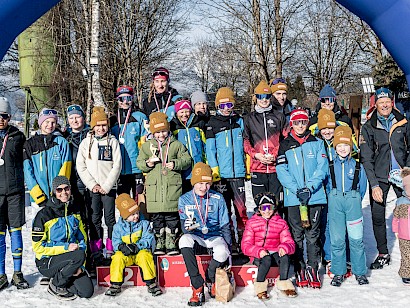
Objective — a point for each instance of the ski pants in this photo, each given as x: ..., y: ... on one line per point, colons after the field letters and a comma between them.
x: 270, y: 260
x: 133, y: 183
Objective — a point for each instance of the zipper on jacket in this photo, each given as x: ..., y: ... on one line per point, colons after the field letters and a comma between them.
x: 266, y: 232
x: 130, y: 233
x: 67, y: 227
x: 343, y: 176
x: 266, y: 139
x: 296, y: 156
x: 233, y: 151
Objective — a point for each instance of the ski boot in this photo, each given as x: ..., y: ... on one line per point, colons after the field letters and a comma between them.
x: 198, y: 297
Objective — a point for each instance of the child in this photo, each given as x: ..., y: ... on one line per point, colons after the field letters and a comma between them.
x: 133, y: 242
x: 346, y: 188
x: 401, y: 226
x: 302, y: 166
x: 189, y: 129
x: 163, y: 158
x: 99, y: 166
x: 268, y: 240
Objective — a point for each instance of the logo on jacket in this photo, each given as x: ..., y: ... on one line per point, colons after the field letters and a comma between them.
x: 221, y: 188
x: 196, y: 138
x: 271, y: 123
x: 310, y: 154
x: 56, y: 156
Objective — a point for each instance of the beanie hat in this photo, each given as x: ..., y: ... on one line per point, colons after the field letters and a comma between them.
x: 124, y: 90
x: 201, y: 173
x: 278, y: 84
x: 198, y: 96
x: 326, y: 119
x: 5, y: 105
x: 60, y: 180
x: 298, y: 114
x: 182, y: 104
x: 126, y: 205
x: 343, y: 134
x: 45, y: 114
x: 327, y: 91
x: 383, y: 92
x: 265, y: 198
x: 158, y: 121
x: 75, y: 109
x: 263, y: 88
x: 98, y: 115
x: 224, y: 95
x: 160, y: 73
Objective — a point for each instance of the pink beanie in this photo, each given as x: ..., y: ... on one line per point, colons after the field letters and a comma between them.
x: 182, y: 104
x: 47, y: 113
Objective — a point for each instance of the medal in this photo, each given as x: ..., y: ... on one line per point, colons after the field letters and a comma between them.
x: 164, y: 171
x: 1, y: 161
x: 205, y: 230
x: 121, y: 140
x: 164, y: 159
x: 3, y: 148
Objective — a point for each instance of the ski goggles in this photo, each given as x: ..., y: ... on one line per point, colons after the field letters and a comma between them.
x: 74, y: 108
x: 60, y: 189
x: 266, y: 207
x: 278, y: 80
x: 300, y: 122
x: 263, y: 96
x: 159, y: 74
x: 227, y: 105
x: 49, y: 112
x: 125, y: 99
x: 327, y: 100
x: 4, y: 116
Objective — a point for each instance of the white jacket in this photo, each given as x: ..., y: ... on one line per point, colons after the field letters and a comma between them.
x: 104, y: 166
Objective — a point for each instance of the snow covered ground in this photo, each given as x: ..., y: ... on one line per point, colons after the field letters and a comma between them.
x: 385, y: 288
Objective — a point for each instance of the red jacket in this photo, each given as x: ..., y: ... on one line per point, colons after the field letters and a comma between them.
x: 261, y: 234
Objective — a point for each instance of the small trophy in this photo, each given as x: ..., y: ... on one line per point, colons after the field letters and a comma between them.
x: 154, y: 158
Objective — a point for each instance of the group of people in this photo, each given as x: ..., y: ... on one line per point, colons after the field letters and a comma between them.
x: 175, y: 172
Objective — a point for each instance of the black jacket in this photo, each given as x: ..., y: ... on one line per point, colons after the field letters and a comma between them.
x: 149, y: 107
x: 11, y: 173
x: 377, y: 144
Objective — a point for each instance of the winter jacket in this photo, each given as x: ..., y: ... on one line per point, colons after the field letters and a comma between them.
x: 401, y: 218
x: 101, y: 164
x: 266, y: 234
x: 286, y: 109
x: 163, y: 190
x: 149, y: 107
x: 55, y: 227
x: 74, y: 140
x: 263, y: 133
x: 300, y: 166
x: 133, y: 233
x: 224, y: 146
x: 340, y: 115
x: 134, y: 131
x: 192, y: 136
x: 12, y: 175
x: 344, y: 175
x: 217, y: 220
x: 377, y: 146
x: 45, y: 157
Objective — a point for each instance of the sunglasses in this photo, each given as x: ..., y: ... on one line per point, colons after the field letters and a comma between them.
x: 126, y: 99
x: 228, y: 105
x: 300, y: 122
x: 4, y: 116
x: 60, y: 189
x: 327, y: 100
x: 49, y: 112
x: 266, y: 207
x: 263, y: 96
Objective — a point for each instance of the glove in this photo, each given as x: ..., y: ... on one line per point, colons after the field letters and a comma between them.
x: 190, y: 224
x: 124, y: 249
x: 134, y: 248
x: 303, y: 195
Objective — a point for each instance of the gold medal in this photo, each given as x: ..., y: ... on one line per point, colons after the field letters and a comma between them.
x: 164, y: 171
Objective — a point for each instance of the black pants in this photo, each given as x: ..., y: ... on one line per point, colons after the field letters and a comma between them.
x: 81, y: 201
x: 133, y: 183
x: 102, y: 204
x: 268, y: 261
x: 312, y: 235
x: 186, y: 186
x: 165, y: 219
x: 62, y: 268
x: 265, y: 182
x: 379, y: 216
x: 12, y: 212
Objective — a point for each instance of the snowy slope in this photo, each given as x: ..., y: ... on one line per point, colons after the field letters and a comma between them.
x: 385, y: 288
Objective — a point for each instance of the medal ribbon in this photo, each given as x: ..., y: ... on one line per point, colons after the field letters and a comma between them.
x: 3, y: 148
x: 199, y: 209
x: 164, y: 159
x: 122, y: 131
x: 166, y: 106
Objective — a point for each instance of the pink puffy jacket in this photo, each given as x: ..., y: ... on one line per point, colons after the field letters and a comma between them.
x: 401, y: 218
x: 261, y: 234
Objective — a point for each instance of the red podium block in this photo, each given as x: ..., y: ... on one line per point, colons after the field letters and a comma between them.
x: 132, y: 276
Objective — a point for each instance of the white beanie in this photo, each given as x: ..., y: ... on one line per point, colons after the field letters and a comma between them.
x: 198, y: 96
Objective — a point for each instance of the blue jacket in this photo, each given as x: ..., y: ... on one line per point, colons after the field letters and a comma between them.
x: 133, y: 232
x: 192, y: 136
x: 344, y: 174
x: 300, y: 166
x: 134, y: 131
x: 217, y: 221
x: 224, y: 146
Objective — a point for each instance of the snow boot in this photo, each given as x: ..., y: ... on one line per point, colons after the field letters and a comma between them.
x: 380, y: 261
x: 313, y: 276
x: 170, y: 242
x: 348, y: 270
x: 261, y: 290
x: 211, y: 289
x: 60, y: 293
x: 286, y: 287
x: 361, y: 279
x: 337, y: 280
x: 406, y: 281
x: 301, y: 279
x: 109, y: 249
x: 113, y: 290
x: 160, y: 239
x: 154, y: 289
x: 45, y: 281
x: 19, y: 281
x: 4, y: 283
x: 198, y: 297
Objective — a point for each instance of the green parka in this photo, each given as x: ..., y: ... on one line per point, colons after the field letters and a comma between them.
x: 163, y: 191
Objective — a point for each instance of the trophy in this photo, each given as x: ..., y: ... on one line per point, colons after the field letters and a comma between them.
x: 154, y: 158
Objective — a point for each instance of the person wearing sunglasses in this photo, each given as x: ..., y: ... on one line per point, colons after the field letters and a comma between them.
x: 128, y: 127
x: 160, y: 94
x: 268, y: 240
x: 302, y: 166
x: 46, y: 155
x: 264, y: 129
x: 280, y: 102
x: 59, y: 243
x: 225, y: 154
x: 12, y: 212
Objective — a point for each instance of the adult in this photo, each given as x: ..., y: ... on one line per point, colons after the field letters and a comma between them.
x: 160, y: 94
x: 12, y: 212
x: 128, y: 128
x: 384, y: 150
x: 264, y: 129
x: 59, y: 242
x: 279, y: 99
x: 205, y: 222
x: 46, y: 155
